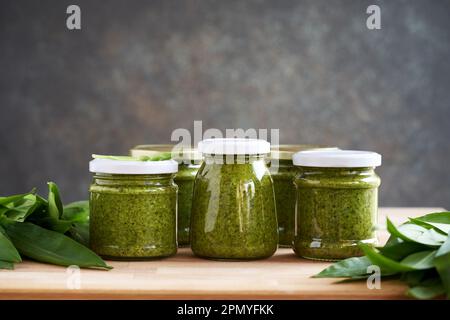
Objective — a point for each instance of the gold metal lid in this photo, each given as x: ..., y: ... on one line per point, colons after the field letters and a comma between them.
x: 178, y: 152
x: 286, y: 151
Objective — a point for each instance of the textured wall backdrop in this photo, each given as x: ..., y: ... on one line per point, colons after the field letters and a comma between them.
x: 139, y: 69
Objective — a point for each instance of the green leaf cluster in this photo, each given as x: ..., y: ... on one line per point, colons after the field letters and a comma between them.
x: 417, y: 252
x: 45, y: 230
x: 157, y: 157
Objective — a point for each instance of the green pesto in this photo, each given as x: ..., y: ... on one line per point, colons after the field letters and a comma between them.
x: 283, y: 176
x: 337, y: 208
x: 133, y: 217
x: 184, y: 179
x: 233, y: 213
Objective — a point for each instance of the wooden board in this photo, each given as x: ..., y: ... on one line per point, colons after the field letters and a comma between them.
x: 284, y: 276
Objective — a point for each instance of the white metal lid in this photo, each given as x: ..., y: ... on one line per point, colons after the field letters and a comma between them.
x: 132, y: 167
x: 337, y: 159
x: 234, y: 146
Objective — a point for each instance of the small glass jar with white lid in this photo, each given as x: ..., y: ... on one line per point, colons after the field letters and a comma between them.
x: 233, y: 208
x: 337, y: 202
x: 133, y: 209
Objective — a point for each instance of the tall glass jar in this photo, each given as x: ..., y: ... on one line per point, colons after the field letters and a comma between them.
x: 233, y: 212
x: 189, y: 163
x: 337, y: 201
x: 133, y: 209
x: 283, y: 173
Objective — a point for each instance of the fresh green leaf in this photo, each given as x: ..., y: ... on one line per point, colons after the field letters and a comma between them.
x: 76, y: 211
x: 14, y: 198
x: 429, y: 290
x: 436, y: 217
x: 6, y: 265
x: 158, y: 157
x: 23, y: 210
x: 161, y: 156
x: 41, y: 216
x: 51, y: 247
x: 55, y: 207
x: 61, y: 226
x: 3, y: 210
x: 420, y: 260
x: 8, y: 252
x: 397, y: 249
x: 78, y: 214
x: 79, y: 232
x: 414, y: 233
x: 413, y: 278
x: 439, y: 227
x: 120, y: 158
x: 418, y: 251
x: 365, y: 276
x: 350, y: 267
x: 442, y: 264
x: 387, y: 264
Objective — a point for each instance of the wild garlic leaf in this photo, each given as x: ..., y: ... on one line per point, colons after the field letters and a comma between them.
x: 436, y: 217
x: 76, y: 211
x: 442, y: 228
x: 8, y: 252
x: 397, y: 249
x: 385, y: 263
x: 413, y: 278
x: 157, y: 157
x: 420, y: 260
x: 429, y: 289
x: 442, y: 264
x: 119, y: 158
x: 14, y: 198
x: 79, y: 231
x: 414, y: 233
x: 48, y: 215
x: 51, y: 247
x: 55, y: 207
x: 350, y: 267
x: 22, y: 211
x: 6, y: 265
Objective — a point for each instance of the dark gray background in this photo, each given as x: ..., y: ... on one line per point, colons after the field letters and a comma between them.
x: 139, y: 69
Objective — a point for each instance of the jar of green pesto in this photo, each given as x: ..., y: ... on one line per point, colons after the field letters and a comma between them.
x: 189, y: 161
x: 283, y: 173
x: 337, y: 201
x: 233, y: 210
x: 133, y: 207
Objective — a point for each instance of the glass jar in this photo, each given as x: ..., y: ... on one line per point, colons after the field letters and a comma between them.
x: 283, y: 173
x: 133, y: 207
x: 189, y: 163
x: 184, y: 179
x: 337, y: 202
x: 233, y: 212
